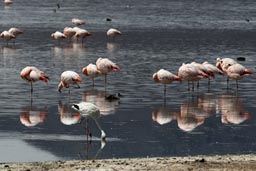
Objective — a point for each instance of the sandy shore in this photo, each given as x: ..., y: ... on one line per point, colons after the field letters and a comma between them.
x: 209, y: 163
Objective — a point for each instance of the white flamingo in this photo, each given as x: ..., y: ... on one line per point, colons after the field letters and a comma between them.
x: 87, y: 109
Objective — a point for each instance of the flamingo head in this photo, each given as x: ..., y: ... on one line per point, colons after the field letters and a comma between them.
x: 84, y: 71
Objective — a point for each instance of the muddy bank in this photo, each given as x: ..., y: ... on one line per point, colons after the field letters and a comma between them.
x: 210, y: 163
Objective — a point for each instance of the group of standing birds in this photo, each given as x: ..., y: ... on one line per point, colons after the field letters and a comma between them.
x: 11, y: 34
x: 103, y: 66
x: 76, y: 32
x: 193, y: 72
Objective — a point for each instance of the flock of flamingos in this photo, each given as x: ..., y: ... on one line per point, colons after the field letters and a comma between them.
x: 190, y: 72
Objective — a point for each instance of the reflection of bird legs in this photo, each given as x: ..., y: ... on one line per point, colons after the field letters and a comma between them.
x: 103, y: 143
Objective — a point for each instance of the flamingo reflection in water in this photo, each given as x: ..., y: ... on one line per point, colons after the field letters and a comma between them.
x: 31, y: 116
x: 231, y: 109
x: 191, y: 116
x: 106, y: 105
x: 163, y: 115
x: 67, y: 115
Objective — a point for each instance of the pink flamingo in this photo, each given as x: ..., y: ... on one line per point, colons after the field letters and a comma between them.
x: 8, y: 2
x: 237, y: 71
x: 32, y: 74
x: 212, y: 69
x: 15, y: 31
x: 165, y: 77
x: 58, y: 36
x: 81, y: 33
x: 91, y: 71
x: 6, y: 35
x: 104, y: 65
x: 77, y: 21
x: 189, y: 73
x: 69, y: 32
x: 223, y: 64
x: 113, y: 32
x: 69, y: 78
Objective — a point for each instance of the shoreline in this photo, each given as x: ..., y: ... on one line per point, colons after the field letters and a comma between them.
x: 212, y: 163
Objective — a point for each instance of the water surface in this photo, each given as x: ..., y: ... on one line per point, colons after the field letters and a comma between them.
x: 209, y: 120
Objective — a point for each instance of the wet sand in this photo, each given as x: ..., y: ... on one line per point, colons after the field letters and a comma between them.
x: 210, y: 163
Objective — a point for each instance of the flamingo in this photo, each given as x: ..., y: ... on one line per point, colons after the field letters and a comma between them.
x: 224, y: 63
x: 165, y: 77
x: 32, y: 74
x: 58, y: 36
x: 231, y: 109
x: 31, y: 116
x: 163, y: 115
x: 237, y: 71
x: 8, y: 2
x: 213, y: 69
x: 91, y: 71
x: 68, y: 78
x: 6, y: 35
x: 189, y: 73
x: 67, y: 116
x: 81, y: 33
x: 77, y: 21
x: 69, y: 32
x: 203, y: 69
x: 15, y: 31
x: 104, y: 65
x: 87, y: 109
x: 112, y: 32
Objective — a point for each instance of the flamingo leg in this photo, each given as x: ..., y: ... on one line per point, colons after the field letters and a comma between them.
x: 31, y: 87
x: 227, y: 81
x: 236, y: 84
x: 164, y: 90
x: 93, y: 82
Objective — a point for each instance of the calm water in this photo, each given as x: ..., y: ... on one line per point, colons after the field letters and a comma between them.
x: 157, y: 34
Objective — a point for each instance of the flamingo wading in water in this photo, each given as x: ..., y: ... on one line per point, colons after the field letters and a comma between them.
x: 104, y: 65
x: 237, y: 71
x: 165, y: 77
x: 32, y: 74
x: 91, y: 71
x: 87, y: 109
x: 69, y: 78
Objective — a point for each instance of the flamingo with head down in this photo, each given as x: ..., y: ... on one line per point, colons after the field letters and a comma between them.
x: 69, y: 78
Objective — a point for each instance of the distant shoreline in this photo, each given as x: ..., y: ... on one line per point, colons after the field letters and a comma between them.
x: 216, y: 163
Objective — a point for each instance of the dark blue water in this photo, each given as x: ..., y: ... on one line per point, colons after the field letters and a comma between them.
x: 156, y: 34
